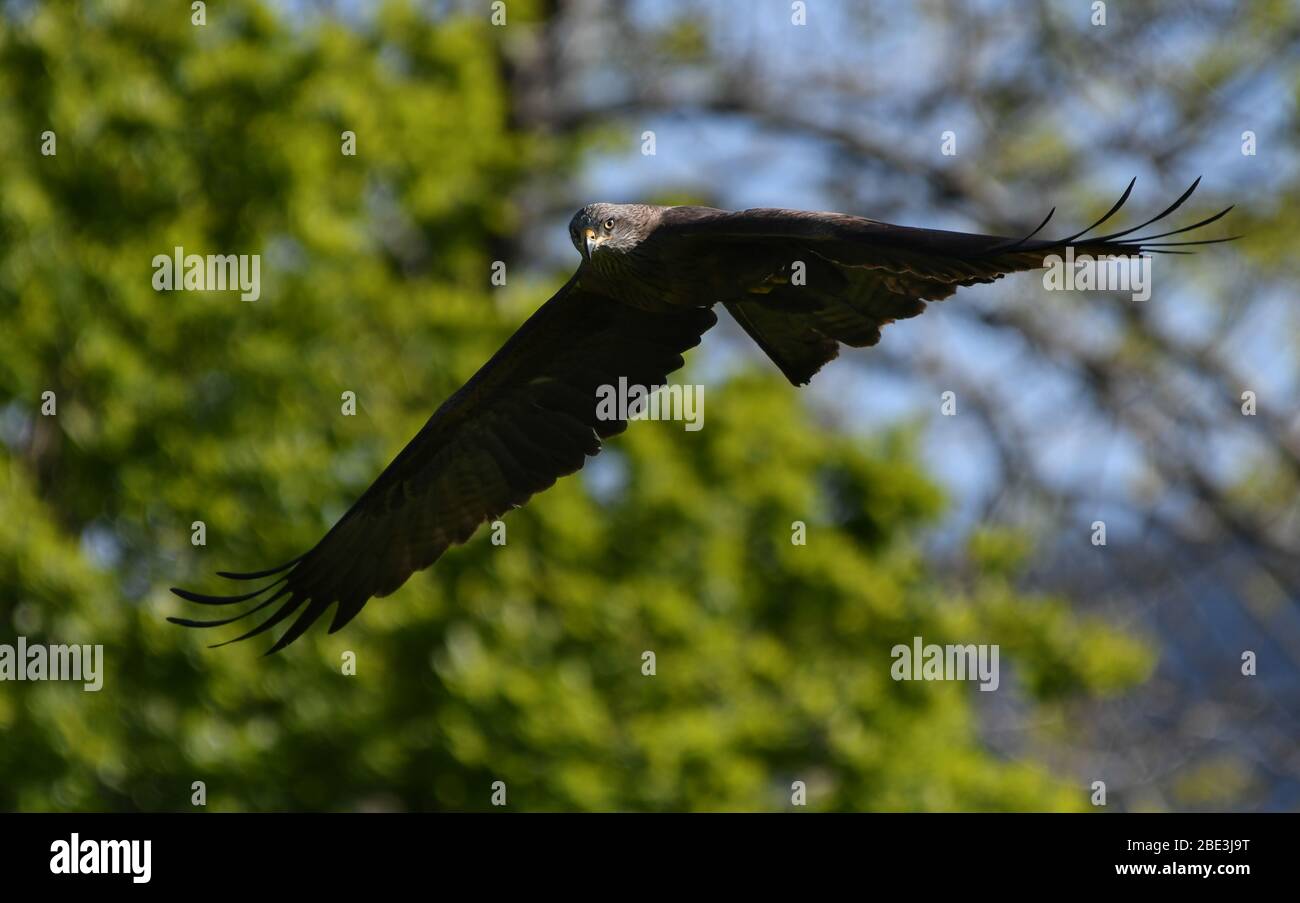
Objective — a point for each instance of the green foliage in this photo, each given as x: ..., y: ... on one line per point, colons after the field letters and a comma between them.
x: 521, y: 662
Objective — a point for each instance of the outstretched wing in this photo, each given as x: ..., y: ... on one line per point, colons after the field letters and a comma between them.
x: 525, y: 419
x: 857, y: 275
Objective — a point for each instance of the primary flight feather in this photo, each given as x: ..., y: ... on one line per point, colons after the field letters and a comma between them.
x: 642, y: 295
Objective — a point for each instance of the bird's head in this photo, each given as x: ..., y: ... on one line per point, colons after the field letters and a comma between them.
x: 600, y: 228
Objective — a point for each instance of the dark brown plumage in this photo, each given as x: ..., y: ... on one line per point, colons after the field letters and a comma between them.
x: 641, y: 297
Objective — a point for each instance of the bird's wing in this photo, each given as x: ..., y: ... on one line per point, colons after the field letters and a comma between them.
x: 858, y: 275
x: 525, y: 419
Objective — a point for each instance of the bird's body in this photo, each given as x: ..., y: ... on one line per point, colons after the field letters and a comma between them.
x: 799, y: 283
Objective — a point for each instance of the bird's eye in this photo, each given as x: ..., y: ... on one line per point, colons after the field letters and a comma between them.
x: 609, y: 225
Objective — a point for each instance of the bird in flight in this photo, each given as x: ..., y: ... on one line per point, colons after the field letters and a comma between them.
x: 643, y: 294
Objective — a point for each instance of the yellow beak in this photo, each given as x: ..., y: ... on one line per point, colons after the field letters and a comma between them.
x: 589, y: 237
